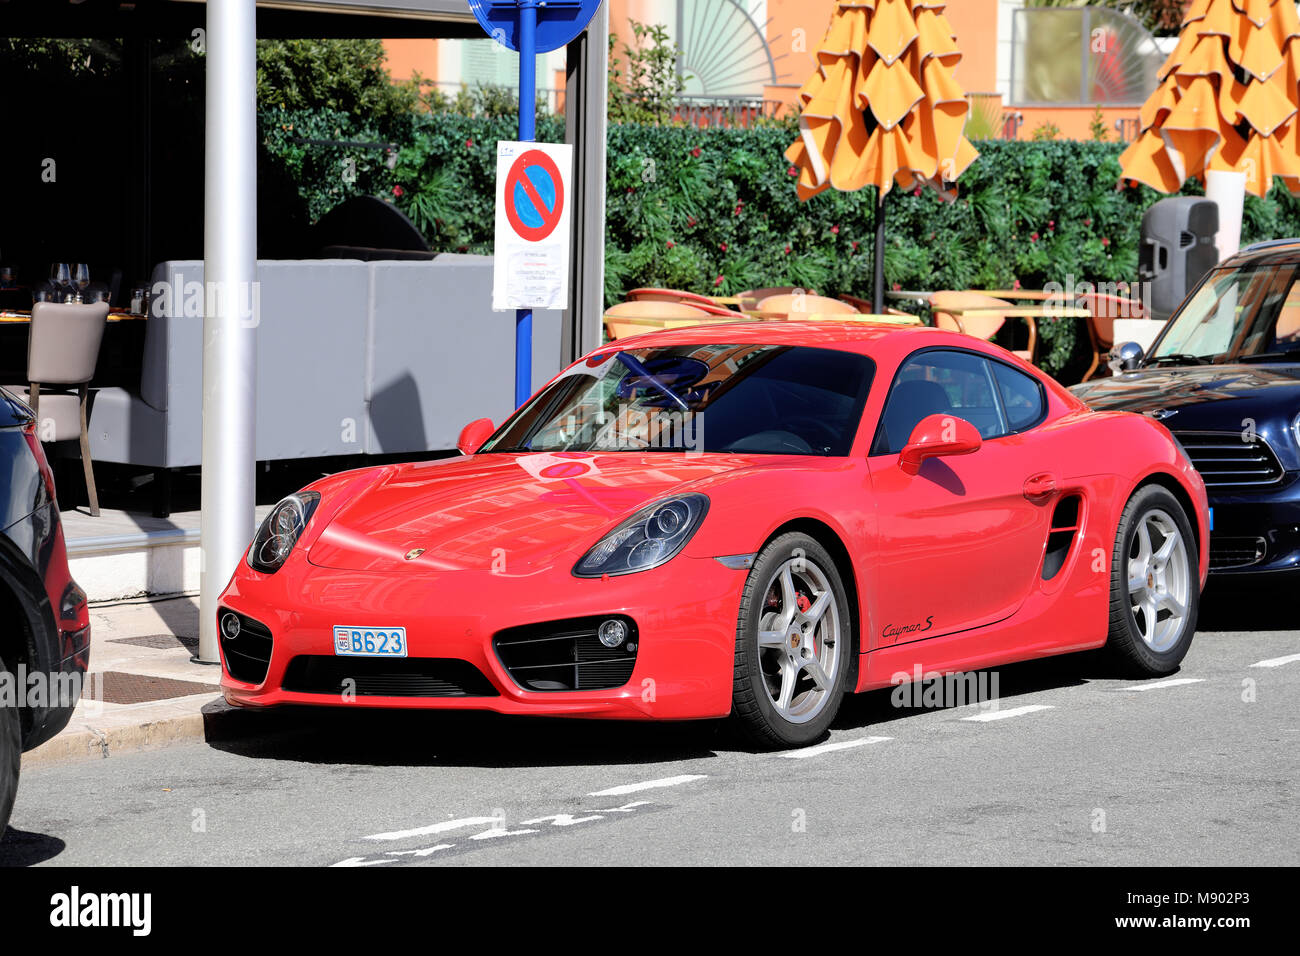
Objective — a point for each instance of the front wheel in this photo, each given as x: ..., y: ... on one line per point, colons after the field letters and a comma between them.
x: 1155, y: 585
x: 793, y: 644
x: 11, y: 755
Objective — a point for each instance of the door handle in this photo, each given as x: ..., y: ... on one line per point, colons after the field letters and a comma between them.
x: 1040, y: 486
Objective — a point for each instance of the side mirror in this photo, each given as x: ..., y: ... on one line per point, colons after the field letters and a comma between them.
x: 937, y: 436
x: 1130, y: 355
x: 473, y: 435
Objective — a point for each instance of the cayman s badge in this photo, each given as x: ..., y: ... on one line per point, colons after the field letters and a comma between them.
x: 414, y: 553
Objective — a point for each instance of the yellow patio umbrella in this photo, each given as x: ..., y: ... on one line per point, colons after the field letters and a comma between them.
x: 883, y: 109
x: 1227, y: 100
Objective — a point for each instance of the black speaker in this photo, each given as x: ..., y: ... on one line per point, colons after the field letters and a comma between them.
x: 1177, y: 249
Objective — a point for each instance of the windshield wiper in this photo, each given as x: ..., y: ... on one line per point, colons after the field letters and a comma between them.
x: 1178, y: 358
x: 1269, y: 356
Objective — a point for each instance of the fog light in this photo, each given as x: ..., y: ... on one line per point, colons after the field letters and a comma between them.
x: 230, y: 625
x: 612, y: 633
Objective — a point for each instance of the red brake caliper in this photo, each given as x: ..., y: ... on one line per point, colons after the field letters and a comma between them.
x: 804, y: 603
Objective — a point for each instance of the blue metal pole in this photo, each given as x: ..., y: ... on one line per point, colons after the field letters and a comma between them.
x: 527, y: 133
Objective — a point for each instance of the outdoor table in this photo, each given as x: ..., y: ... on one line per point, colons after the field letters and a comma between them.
x: 17, y: 317
x: 1044, y: 311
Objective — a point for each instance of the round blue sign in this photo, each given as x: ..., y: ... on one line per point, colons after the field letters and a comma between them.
x: 558, y: 21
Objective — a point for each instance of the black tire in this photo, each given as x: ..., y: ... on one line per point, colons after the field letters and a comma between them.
x: 1125, y: 645
x: 11, y: 755
x: 753, y: 710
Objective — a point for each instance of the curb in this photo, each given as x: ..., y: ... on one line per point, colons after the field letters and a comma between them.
x: 216, y: 721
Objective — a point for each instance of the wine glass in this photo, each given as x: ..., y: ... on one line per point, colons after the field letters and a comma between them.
x: 61, y: 276
x: 81, y: 275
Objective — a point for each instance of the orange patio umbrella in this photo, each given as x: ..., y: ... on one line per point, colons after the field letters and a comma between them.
x: 883, y: 109
x: 1227, y: 99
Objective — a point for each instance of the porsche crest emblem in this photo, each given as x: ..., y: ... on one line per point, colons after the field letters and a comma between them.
x: 414, y: 553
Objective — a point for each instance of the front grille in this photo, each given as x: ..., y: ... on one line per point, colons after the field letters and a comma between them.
x: 1227, y: 459
x: 249, y: 654
x: 566, y: 655
x: 1236, y: 552
x: 386, y: 677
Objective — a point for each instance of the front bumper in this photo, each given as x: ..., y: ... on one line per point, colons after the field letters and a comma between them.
x: 1256, y: 531
x: 685, y: 614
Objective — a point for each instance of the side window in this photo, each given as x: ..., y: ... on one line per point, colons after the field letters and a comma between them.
x: 1022, y: 397
x: 939, y: 382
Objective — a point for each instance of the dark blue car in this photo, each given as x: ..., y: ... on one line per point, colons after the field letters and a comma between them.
x: 1224, y: 377
x: 44, y: 621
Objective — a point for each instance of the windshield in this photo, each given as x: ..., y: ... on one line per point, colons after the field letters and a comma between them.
x: 757, y: 399
x: 1246, y: 314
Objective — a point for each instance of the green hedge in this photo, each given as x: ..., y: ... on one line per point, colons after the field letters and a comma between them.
x: 715, y: 210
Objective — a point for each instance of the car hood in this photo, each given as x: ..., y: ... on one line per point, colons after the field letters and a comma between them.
x: 1171, y: 393
x: 504, y: 512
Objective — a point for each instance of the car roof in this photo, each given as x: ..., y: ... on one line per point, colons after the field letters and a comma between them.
x: 1272, y: 250
x: 877, y: 341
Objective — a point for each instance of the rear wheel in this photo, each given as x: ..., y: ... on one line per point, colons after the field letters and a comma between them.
x: 1155, y: 585
x: 793, y: 644
x: 11, y: 755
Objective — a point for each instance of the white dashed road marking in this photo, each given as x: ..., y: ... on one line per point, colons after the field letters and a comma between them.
x: 444, y: 827
x: 1277, y: 661
x: 1177, y: 682
x: 832, y: 746
x: 648, y: 785
x: 1004, y: 714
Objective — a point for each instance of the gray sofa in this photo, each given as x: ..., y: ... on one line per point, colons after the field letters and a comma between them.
x: 352, y: 358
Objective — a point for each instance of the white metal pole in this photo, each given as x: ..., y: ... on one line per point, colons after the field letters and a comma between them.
x: 229, y: 319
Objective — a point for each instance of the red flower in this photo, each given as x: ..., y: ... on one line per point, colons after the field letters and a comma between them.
x: 1087, y: 222
x: 1051, y: 224
x: 696, y: 152
x: 399, y: 191
x: 855, y: 245
x: 722, y: 246
x: 717, y: 282
x: 793, y: 171
x: 916, y: 191
x: 1105, y: 241
x: 787, y: 250
x: 670, y: 243
x: 835, y: 230
x: 1015, y: 284
x: 690, y: 221
x: 897, y: 287
x: 469, y: 144
x: 1033, y: 237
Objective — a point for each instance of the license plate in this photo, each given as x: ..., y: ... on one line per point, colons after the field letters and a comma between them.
x: 370, y: 641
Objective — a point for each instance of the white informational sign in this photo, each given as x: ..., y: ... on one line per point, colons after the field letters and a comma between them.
x: 531, y: 257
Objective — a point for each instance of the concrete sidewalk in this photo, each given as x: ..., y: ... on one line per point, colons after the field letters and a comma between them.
x: 143, y: 690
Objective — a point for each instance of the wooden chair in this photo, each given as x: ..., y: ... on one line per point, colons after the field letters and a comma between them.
x: 750, y: 298
x: 980, y: 326
x: 62, y: 349
x: 647, y: 309
x: 798, y: 304
x: 1103, y: 310
x: 678, y: 295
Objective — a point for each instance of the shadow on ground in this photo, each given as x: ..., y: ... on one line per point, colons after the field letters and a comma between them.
x: 332, y: 735
x: 21, y: 848
x: 1249, y: 607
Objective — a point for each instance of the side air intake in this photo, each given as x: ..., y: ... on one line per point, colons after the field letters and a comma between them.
x: 1065, y: 525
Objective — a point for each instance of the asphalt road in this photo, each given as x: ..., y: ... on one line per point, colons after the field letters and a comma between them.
x: 1077, y: 767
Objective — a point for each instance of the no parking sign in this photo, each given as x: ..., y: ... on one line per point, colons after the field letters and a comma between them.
x: 531, y: 265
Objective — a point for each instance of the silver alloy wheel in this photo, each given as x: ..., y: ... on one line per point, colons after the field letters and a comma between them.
x: 1159, y: 580
x: 798, y: 635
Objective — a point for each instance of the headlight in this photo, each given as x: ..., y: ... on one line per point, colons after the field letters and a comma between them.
x: 280, y: 531
x: 646, y: 540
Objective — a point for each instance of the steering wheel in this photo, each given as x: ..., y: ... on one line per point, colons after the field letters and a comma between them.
x: 801, y: 425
